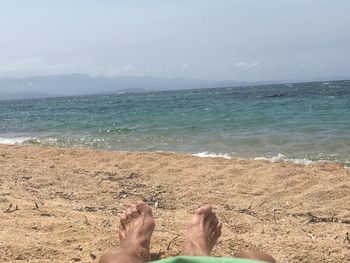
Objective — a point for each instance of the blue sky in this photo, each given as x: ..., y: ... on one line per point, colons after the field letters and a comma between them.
x: 247, y: 40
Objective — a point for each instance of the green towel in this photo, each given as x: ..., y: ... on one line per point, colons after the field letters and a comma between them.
x: 183, y: 259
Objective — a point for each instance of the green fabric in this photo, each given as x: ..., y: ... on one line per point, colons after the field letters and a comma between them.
x: 183, y: 259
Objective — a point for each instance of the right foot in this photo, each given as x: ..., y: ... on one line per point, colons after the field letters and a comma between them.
x: 136, y: 228
x: 202, y: 233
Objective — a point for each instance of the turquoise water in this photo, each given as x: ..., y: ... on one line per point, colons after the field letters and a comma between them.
x: 304, y: 121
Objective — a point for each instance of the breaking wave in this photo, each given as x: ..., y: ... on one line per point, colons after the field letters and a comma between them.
x: 213, y: 155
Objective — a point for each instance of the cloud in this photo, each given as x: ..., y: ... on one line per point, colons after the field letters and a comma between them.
x: 247, y: 65
x: 23, y: 64
x: 28, y: 66
x: 120, y: 71
x: 154, y: 70
x: 185, y: 67
x: 126, y: 70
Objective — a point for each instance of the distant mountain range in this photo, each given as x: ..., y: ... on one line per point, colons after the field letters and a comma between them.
x: 80, y: 84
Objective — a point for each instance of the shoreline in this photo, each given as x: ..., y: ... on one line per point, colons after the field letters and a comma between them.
x: 273, y: 158
x: 62, y: 204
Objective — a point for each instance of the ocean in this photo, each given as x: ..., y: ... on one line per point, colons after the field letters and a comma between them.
x: 301, y: 122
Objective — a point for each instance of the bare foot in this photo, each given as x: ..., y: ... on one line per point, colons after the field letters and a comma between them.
x: 136, y: 228
x: 202, y: 232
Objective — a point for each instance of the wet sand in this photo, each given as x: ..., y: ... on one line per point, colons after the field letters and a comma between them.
x: 62, y: 205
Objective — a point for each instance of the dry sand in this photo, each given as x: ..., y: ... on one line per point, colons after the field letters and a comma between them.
x: 62, y: 205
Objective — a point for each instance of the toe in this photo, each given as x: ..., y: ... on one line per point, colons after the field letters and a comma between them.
x: 210, y: 219
x: 201, y: 215
x: 219, y: 226
x: 218, y: 230
x: 123, y: 221
x: 204, y: 210
x: 128, y: 214
x: 134, y: 213
x: 211, y: 223
x: 143, y: 208
x: 214, y: 221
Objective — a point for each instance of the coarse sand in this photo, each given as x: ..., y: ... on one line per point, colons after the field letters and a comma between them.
x: 63, y: 204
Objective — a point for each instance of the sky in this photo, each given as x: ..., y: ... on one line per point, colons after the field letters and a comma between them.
x: 245, y: 40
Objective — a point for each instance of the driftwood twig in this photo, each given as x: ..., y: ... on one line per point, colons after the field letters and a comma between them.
x: 9, y: 210
x: 274, y: 212
x: 313, y: 219
x: 171, y: 241
x: 248, y: 211
x: 347, y: 237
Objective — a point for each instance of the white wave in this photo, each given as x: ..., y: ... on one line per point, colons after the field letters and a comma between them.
x: 210, y: 154
x: 280, y: 158
x: 48, y: 140
x: 14, y: 140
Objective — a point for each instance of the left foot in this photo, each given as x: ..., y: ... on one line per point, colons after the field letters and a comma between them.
x: 136, y: 228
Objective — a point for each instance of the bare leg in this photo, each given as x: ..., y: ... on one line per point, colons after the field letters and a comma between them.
x: 256, y: 254
x: 202, y: 232
x: 135, y: 231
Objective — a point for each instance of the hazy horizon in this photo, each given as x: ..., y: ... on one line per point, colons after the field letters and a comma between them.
x: 81, y: 84
x: 295, y: 80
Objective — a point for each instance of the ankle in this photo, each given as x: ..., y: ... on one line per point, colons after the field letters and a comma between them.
x: 141, y: 253
x: 256, y: 254
x: 194, y: 249
x: 122, y: 255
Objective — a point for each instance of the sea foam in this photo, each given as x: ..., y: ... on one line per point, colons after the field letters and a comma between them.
x: 210, y: 154
x: 280, y: 158
x: 15, y: 140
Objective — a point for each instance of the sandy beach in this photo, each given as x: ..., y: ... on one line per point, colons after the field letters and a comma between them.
x: 62, y: 205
